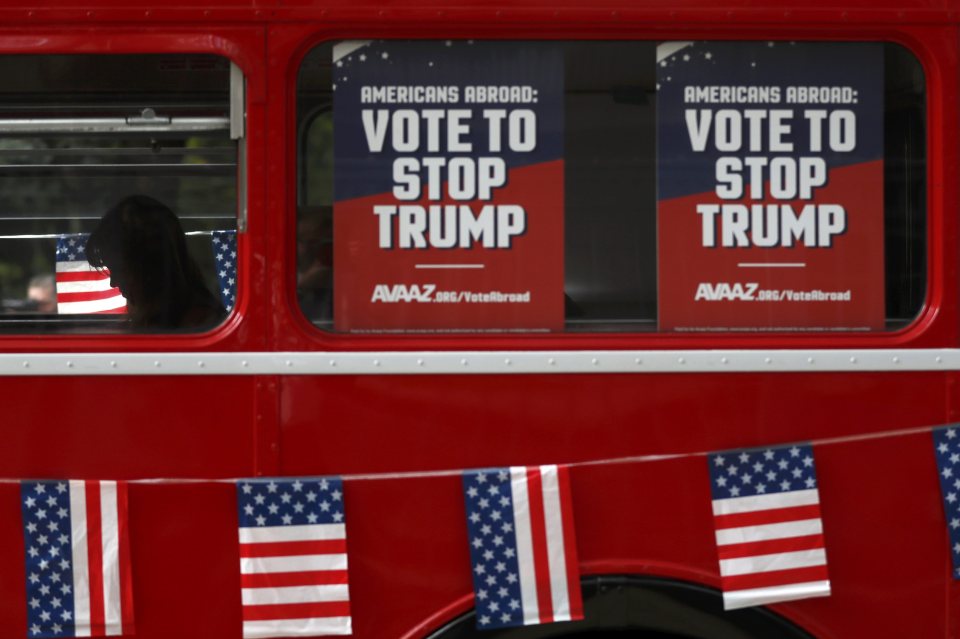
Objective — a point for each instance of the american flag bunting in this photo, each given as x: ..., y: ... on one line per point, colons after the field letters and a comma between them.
x: 293, y: 557
x: 946, y: 445
x: 82, y: 288
x: 522, y: 546
x: 77, y: 558
x: 769, y: 533
x: 225, y: 253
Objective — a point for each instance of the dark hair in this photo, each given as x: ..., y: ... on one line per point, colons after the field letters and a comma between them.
x: 142, y: 243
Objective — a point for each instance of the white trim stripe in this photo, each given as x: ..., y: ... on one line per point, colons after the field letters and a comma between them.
x: 770, y: 563
x: 524, y: 533
x: 292, y: 563
x: 734, y: 505
x: 81, y: 562
x: 475, y: 362
x: 110, y: 549
x: 310, y: 532
x: 556, y: 556
x: 748, y: 534
x: 761, y: 596
x: 315, y: 627
x: 294, y: 594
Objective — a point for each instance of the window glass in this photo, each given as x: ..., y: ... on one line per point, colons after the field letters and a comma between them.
x: 474, y: 186
x: 135, y: 150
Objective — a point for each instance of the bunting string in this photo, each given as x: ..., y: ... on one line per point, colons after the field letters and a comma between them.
x: 610, y: 461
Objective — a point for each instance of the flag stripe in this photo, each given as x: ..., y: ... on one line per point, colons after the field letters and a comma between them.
x: 315, y: 627
x: 297, y: 611
x: 116, y: 304
x: 79, y: 270
x: 556, y: 558
x: 776, y: 561
x: 110, y: 552
x: 733, y: 505
x: 284, y: 548
x: 95, y: 558
x: 300, y: 578
x: 81, y: 565
x: 772, y: 516
x: 538, y: 532
x: 524, y: 536
x: 292, y: 533
x: 775, y: 578
x: 126, y: 572
x: 250, y: 565
x: 294, y: 594
x: 77, y: 285
x: 86, y: 296
x: 760, y: 596
x: 788, y: 544
x: 773, y: 531
x: 570, y: 545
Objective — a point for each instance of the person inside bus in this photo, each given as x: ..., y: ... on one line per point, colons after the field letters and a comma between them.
x: 42, y: 294
x: 140, y: 241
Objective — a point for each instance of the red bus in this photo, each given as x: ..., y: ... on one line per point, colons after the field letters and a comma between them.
x: 573, y: 337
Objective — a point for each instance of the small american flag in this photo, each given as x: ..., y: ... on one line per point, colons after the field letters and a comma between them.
x: 522, y: 546
x: 78, y: 558
x: 293, y: 557
x: 946, y: 444
x: 766, y: 512
x: 225, y: 253
x: 82, y: 288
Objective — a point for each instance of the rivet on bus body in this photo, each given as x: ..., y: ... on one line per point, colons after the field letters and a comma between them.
x: 724, y: 360
x: 113, y: 364
x: 245, y: 363
x: 853, y: 360
x: 463, y: 361
x: 419, y: 362
x: 26, y: 364
x: 69, y: 364
x: 552, y: 361
x: 289, y: 363
x: 595, y: 361
x: 507, y: 361
x: 376, y: 362
x: 157, y: 364
x: 680, y: 360
x: 333, y: 362
x: 896, y: 360
x: 939, y: 360
x: 768, y: 360
x: 638, y: 361
x: 201, y: 364
x: 810, y: 360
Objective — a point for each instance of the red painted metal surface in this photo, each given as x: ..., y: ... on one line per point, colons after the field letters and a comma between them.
x: 409, y: 563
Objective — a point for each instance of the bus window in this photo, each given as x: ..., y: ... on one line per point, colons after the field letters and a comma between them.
x: 83, y: 134
x: 477, y: 187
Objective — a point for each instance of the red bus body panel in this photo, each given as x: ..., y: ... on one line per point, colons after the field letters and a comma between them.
x: 409, y: 563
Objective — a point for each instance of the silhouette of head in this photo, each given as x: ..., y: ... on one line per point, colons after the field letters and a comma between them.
x: 141, y: 242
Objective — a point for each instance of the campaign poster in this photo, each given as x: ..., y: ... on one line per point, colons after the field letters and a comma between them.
x: 770, y: 186
x: 448, y: 186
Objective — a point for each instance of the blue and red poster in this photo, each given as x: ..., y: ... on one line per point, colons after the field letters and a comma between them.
x: 770, y: 186
x: 448, y: 186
